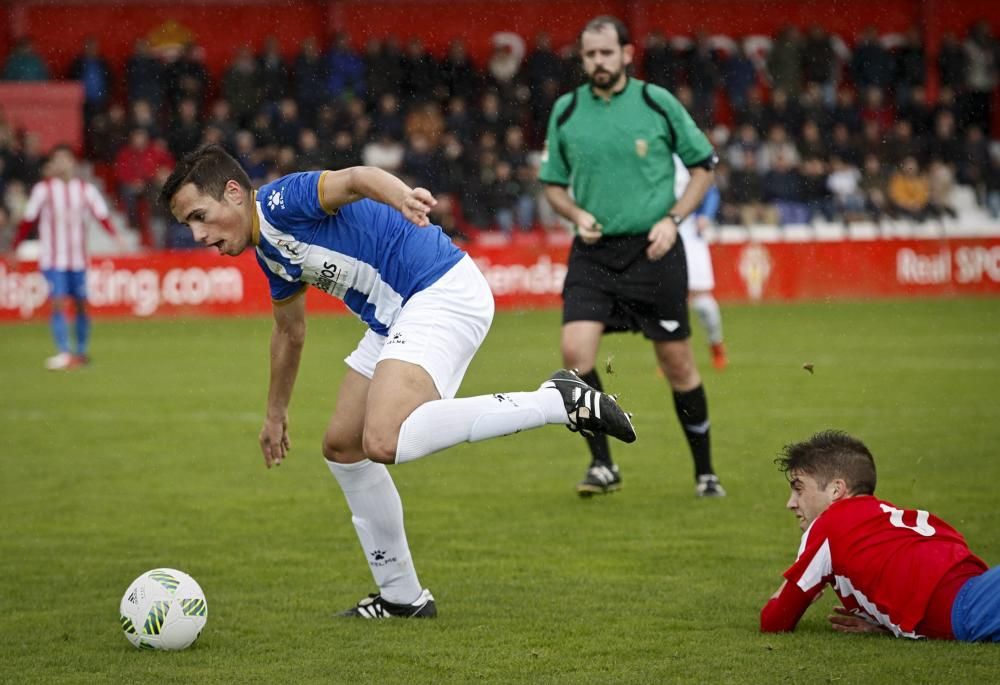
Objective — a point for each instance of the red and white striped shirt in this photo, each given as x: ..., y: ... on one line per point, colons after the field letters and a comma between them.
x: 60, y: 208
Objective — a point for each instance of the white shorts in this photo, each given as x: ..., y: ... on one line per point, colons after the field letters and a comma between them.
x: 439, y: 329
x: 699, y: 261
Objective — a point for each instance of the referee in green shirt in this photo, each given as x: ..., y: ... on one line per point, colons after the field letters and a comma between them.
x: 608, y: 168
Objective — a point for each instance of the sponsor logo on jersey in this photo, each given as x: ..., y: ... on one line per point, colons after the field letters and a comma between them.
x: 641, y: 147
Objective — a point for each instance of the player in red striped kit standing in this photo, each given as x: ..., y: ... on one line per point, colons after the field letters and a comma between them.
x: 59, y: 205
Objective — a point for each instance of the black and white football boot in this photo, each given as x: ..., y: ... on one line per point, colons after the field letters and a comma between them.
x: 709, y: 486
x: 373, y: 606
x: 600, y: 480
x: 590, y: 411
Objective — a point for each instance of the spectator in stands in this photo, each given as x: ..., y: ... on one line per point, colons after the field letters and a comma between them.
x: 505, y: 193
x: 387, y: 118
x: 778, y: 144
x: 875, y: 189
x: 92, y: 70
x: 941, y: 188
x: 27, y: 161
x: 460, y: 75
x: 783, y: 187
x: 901, y: 143
x: 982, y: 75
x: 108, y: 133
x: 541, y: 66
x: 754, y: 112
x: 490, y: 117
x: 24, y: 64
x: 746, y: 193
x: 918, y: 112
x: 383, y: 152
x: 142, y: 116
x: 288, y: 126
x: 872, y: 65
x: 263, y: 131
x: 135, y: 167
x: 811, y: 106
x: 344, y: 152
x: 847, y: 111
x: 951, y: 61
x: 944, y: 143
x: 911, y: 66
x: 974, y: 158
x: 220, y: 118
x: 816, y: 193
x: 345, y: 69
x: 784, y: 64
x: 187, y: 76
x: 909, y: 191
x: 812, y: 143
x: 242, y: 86
x: 745, y: 140
x: 421, y: 73
x: 842, y: 145
x: 310, y: 79
x: 425, y: 120
x: 704, y: 77
x: 311, y: 154
x: 185, y: 129
x: 947, y: 101
x: 145, y: 76
x: 504, y: 64
x: 273, y: 73
x: 844, y: 183
x: 873, y: 140
x: 738, y: 75
x: 384, y: 67
x: 250, y: 157
x: 819, y: 62
x: 658, y: 64
x: 877, y: 109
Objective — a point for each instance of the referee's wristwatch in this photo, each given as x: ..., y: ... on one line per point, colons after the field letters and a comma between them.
x: 676, y: 218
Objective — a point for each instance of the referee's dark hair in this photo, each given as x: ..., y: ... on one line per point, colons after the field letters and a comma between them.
x: 209, y: 168
x: 597, y: 23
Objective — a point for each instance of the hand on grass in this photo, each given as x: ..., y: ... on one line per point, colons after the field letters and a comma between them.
x: 843, y: 621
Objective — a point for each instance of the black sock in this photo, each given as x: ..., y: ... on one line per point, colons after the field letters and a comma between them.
x: 600, y: 452
x: 692, y: 411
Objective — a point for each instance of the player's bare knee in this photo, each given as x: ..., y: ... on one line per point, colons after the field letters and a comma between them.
x: 337, y: 450
x: 380, y: 446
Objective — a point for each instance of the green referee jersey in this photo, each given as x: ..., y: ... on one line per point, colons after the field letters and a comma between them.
x: 616, y: 155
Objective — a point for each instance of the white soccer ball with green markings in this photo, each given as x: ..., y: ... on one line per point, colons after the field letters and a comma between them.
x: 163, y: 609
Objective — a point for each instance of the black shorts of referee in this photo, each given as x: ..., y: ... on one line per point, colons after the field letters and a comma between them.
x: 613, y: 282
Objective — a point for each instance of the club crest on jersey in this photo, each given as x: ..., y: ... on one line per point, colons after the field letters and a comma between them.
x: 275, y: 199
x: 641, y: 147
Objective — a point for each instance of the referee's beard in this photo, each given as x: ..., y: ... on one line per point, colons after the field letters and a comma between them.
x: 602, y: 79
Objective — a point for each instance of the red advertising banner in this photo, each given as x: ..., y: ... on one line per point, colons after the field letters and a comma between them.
x: 526, y: 275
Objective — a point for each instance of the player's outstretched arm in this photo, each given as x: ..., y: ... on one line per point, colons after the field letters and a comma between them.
x: 287, y: 339
x: 782, y: 613
x: 342, y: 187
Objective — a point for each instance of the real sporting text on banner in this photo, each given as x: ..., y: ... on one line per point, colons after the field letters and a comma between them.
x: 531, y: 276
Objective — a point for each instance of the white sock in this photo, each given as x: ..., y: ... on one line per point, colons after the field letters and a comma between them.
x: 707, y: 309
x: 377, y: 513
x: 442, y: 423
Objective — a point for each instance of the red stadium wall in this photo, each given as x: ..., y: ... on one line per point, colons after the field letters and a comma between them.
x: 531, y: 276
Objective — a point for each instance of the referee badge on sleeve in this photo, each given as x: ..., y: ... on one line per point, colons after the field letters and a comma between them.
x: 641, y: 147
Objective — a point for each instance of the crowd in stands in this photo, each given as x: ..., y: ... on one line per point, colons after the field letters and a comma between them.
x: 806, y: 129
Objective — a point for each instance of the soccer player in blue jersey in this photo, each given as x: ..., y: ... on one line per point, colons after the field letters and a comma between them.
x: 362, y: 235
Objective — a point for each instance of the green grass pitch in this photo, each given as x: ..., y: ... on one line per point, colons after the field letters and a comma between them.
x: 149, y: 458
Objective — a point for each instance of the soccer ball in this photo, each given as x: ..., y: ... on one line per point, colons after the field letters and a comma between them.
x: 163, y: 609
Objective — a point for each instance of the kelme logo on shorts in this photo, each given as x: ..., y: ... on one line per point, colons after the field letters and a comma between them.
x: 669, y: 325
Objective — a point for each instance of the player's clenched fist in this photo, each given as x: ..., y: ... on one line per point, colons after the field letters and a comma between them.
x: 588, y: 228
x: 417, y: 203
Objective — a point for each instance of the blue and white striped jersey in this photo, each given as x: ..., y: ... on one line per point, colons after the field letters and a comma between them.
x: 366, y: 253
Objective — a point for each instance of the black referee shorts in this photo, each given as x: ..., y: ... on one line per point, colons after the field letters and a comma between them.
x: 613, y: 282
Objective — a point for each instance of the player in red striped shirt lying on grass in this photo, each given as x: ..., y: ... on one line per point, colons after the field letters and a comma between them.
x: 904, y: 572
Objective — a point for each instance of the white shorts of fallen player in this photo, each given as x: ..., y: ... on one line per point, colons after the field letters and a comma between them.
x: 699, y: 261
x: 439, y: 329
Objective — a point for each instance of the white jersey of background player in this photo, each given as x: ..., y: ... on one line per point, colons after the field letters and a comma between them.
x: 363, y: 236
x: 701, y: 278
